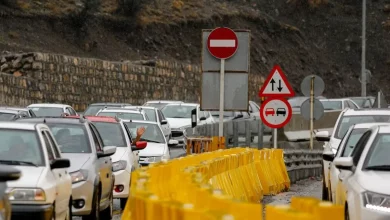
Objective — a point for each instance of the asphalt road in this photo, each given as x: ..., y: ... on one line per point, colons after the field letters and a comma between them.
x: 117, y: 210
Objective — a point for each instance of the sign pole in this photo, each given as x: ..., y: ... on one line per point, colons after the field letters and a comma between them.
x: 261, y: 130
x: 221, y: 97
x: 311, y: 111
x: 275, y: 138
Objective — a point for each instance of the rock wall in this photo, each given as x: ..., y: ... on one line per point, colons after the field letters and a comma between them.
x: 39, y: 77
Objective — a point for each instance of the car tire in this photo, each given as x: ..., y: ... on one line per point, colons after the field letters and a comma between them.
x: 108, y: 212
x: 123, y: 202
x: 69, y: 216
x: 95, y: 211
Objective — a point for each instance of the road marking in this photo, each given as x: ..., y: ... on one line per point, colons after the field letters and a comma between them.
x: 222, y: 43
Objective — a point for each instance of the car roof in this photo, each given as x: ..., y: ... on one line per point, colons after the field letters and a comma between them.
x: 9, y: 111
x: 18, y: 125
x: 110, y: 103
x: 183, y: 104
x: 369, y: 125
x: 59, y: 120
x: 164, y: 101
x: 124, y: 110
x: 367, y: 111
x: 48, y: 105
x: 384, y: 129
x: 102, y: 119
x: 140, y: 121
x: 140, y: 107
x: 14, y: 108
x: 337, y: 99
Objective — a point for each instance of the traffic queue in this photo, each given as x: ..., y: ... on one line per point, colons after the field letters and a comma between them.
x: 58, y: 163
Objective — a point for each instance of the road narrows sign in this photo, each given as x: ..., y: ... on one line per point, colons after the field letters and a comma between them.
x: 276, y: 85
x: 275, y: 113
x: 222, y: 43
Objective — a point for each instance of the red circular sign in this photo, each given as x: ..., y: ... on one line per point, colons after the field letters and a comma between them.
x: 276, y: 113
x: 222, y: 43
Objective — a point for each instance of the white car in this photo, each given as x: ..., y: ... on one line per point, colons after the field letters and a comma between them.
x: 125, y: 160
x: 338, y: 104
x: 157, y: 148
x: 367, y: 176
x: 179, y: 117
x: 155, y: 114
x: 44, y: 190
x: 345, y: 149
x: 51, y: 110
x: 122, y: 113
x: 346, y: 119
x: 160, y: 103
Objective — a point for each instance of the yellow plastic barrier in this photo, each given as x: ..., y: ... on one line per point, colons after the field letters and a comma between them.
x: 218, y: 184
x: 303, y: 208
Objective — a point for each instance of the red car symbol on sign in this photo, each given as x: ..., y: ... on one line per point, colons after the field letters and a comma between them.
x: 269, y: 111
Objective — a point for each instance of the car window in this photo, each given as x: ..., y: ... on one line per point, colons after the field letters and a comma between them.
x: 152, y: 133
x: 123, y: 115
x: 48, y: 147
x: 53, y: 145
x: 93, y: 109
x: 99, y: 137
x: 351, y: 105
x: 98, y: 146
x: 111, y: 133
x: 358, y: 150
x: 73, y: 138
x: 72, y: 111
x: 378, y: 155
x: 350, y: 144
x: 160, y: 115
x: 128, y: 133
x: 178, y: 111
x: 47, y: 111
x: 151, y: 113
x: 347, y: 121
x: 331, y: 105
x: 7, y: 116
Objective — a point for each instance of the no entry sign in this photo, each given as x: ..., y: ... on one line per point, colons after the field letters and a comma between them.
x: 222, y: 43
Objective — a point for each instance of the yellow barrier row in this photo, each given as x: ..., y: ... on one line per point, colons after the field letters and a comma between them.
x: 302, y: 208
x: 197, y: 145
x: 223, y: 184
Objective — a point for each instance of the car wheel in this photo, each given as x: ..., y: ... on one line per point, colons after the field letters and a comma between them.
x: 108, y: 212
x: 95, y: 211
x: 123, y: 203
x: 69, y: 216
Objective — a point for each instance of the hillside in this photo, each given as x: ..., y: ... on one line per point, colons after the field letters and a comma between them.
x: 303, y: 37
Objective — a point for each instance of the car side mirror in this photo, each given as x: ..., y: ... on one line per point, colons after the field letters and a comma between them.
x: 202, y: 118
x: 8, y: 173
x: 323, y: 136
x: 329, y: 156
x: 60, y: 163
x: 164, y: 122
x: 107, y: 151
x: 344, y: 163
x: 139, y: 145
x: 172, y: 143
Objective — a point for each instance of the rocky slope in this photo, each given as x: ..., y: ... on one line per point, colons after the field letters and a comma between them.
x: 304, y: 37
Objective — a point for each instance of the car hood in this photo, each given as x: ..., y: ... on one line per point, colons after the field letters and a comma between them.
x: 375, y: 181
x: 29, y: 176
x: 153, y: 149
x: 120, y: 151
x: 179, y: 122
x: 77, y: 161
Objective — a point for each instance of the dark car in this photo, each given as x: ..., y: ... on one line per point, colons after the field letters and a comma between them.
x: 94, y: 108
x: 7, y: 173
x: 12, y: 115
x: 281, y: 111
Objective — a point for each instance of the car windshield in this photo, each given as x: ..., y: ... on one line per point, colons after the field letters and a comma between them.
x: 378, y: 156
x: 178, y: 111
x: 360, y: 101
x: 123, y: 115
x: 353, y: 138
x: 348, y: 121
x: 332, y: 105
x: 72, y: 138
x: 152, y: 133
x: 20, y: 147
x: 151, y: 113
x: 297, y: 102
x: 47, y: 111
x: 93, y: 109
x: 156, y: 105
x: 6, y: 116
x: 111, y: 133
x: 215, y: 114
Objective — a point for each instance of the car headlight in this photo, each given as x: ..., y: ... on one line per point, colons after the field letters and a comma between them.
x: 119, y: 165
x: 26, y: 194
x: 79, y: 176
x: 376, y: 201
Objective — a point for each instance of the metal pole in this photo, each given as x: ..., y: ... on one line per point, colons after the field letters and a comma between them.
x: 260, y: 134
x: 379, y: 99
x: 311, y: 112
x: 275, y: 138
x: 221, y: 97
x: 364, y: 75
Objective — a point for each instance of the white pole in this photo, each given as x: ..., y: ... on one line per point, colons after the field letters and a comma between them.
x: 364, y: 75
x: 221, y: 97
x: 275, y: 138
x: 311, y: 112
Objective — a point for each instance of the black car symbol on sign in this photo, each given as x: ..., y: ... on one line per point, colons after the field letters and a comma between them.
x: 281, y: 111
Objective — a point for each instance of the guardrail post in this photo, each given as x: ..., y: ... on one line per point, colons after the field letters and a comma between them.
x: 235, y: 134
x: 248, y: 134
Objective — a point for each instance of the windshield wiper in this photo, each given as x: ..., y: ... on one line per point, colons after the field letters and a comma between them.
x: 142, y: 139
x: 17, y: 162
x: 379, y: 167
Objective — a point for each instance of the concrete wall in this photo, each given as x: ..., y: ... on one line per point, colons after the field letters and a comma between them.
x: 39, y: 77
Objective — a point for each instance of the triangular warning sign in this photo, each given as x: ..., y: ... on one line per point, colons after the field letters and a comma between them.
x: 276, y: 85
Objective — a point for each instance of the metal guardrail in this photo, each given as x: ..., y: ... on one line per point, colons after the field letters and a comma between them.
x: 302, y: 164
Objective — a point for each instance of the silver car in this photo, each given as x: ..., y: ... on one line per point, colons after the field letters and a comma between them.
x: 91, y: 165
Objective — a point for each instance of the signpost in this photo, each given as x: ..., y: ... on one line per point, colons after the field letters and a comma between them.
x: 225, y: 67
x: 276, y: 111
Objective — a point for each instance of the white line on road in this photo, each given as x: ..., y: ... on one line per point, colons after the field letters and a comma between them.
x: 222, y: 43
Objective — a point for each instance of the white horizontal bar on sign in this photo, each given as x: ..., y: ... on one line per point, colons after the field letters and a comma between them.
x: 222, y: 43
